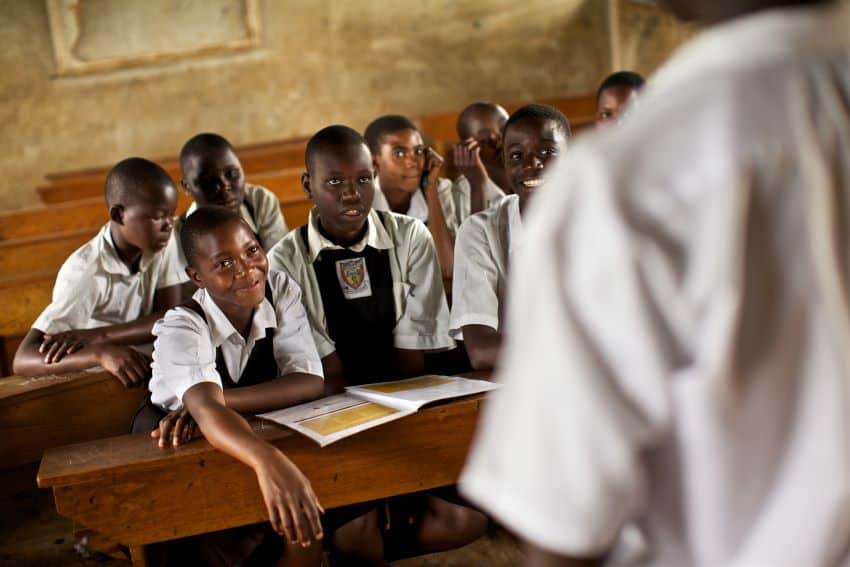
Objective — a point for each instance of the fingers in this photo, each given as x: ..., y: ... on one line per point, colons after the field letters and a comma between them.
x: 285, y: 522
x: 52, y: 351
x: 312, y: 509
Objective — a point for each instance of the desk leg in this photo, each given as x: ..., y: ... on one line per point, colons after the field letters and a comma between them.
x: 137, y: 556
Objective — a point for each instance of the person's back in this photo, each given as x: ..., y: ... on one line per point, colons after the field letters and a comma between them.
x: 685, y: 328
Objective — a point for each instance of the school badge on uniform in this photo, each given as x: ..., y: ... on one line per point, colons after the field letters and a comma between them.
x: 353, y: 278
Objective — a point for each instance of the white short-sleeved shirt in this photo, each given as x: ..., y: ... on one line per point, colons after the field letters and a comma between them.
x: 485, y: 246
x: 422, y: 314
x: 267, y: 221
x: 677, y: 346
x: 419, y: 205
x: 461, y: 192
x: 185, y: 346
x: 95, y: 288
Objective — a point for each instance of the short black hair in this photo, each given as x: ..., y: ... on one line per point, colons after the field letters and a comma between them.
x: 476, y: 107
x: 388, y: 124
x: 201, y: 144
x: 336, y: 135
x: 539, y: 112
x: 634, y: 81
x: 201, y: 222
x: 135, y: 180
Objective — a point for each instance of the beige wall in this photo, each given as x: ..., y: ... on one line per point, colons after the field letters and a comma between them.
x: 319, y: 62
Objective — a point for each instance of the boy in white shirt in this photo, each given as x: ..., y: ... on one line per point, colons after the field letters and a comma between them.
x: 241, y: 345
x: 676, y: 355
x: 535, y: 136
x: 109, y: 293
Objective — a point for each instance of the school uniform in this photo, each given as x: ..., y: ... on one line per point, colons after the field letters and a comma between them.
x: 260, y: 210
x: 364, y: 301
x: 419, y: 205
x: 95, y: 288
x: 484, y: 248
x: 676, y: 353
x: 196, y: 342
x: 461, y: 192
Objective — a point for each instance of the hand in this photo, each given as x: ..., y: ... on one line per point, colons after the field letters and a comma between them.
x: 55, y: 346
x: 130, y: 366
x: 176, y: 428
x: 290, y: 501
x: 467, y: 158
x: 433, y: 164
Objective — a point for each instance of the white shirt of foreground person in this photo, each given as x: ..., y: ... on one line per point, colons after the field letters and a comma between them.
x: 677, y: 344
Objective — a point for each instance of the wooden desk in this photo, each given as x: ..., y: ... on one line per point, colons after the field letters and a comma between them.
x: 128, y: 490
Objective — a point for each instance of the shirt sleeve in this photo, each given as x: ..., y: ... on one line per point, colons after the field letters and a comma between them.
x: 558, y: 456
x: 475, y: 299
x: 183, y: 356
x: 424, y: 322
x: 294, y: 348
x: 269, y: 219
x: 172, y: 268
x: 76, y: 293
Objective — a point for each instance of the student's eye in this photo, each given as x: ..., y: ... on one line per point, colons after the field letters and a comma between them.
x: 224, y: 264
x: 515, y: 156
x: 420, y: 151
x: 253, y: 250
x: 232, y: 174
x: 334, y: 181
x: 399, y: 153
x: 365, y: 180
x: 549, y: 152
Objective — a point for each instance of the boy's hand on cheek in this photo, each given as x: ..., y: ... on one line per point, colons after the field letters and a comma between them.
x: 467, y: 158
x: 130, y: 366
x: 290, y: 501
x: 433, y: 164
x: 176, y: 428
x: 55, y: 346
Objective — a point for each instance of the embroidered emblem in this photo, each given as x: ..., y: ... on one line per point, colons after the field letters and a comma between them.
x: 353, y: 278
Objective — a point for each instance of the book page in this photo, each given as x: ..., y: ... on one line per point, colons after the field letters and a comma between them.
x: 330, y: 419
x: 414, y: 393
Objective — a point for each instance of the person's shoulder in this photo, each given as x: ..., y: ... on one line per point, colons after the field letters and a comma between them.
x: 180, y: 319
x: 282, y: 283
x: 258, y: 193
x: 84, y: 262
x: 401, y: 227
x: 290, y: 248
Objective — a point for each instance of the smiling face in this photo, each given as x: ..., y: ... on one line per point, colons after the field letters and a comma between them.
x: 230, y: 264
x: 215, y: 178
x: 531, y: 147
x: 341, y: 182
x: 401, y: 161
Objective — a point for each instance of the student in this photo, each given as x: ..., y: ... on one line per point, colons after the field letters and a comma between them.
x: 478, y: 157
x: 212, y: 175
x: 109, y: 292
x: 409, y: 182
x: 676, y: 352
x: 374, y: 296
x: 241, y: 345
x: 614, y: 93
x: 534, y: 138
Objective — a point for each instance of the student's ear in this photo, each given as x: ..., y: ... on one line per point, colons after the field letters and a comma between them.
x: 116, y: 213
x: 194, y: 276
x: 305, y: 185
x: 375, y: 168
x: 185, y: 186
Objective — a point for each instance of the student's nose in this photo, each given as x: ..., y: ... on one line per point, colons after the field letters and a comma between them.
x: 350, y: 193
x: 532, y: 161
x: 242, y: 267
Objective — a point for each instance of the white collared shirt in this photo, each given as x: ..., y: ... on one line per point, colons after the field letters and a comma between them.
x: 267, y: 221
x: 676, y: 352
x: 419, y: 205
x: 486, y: 244
x: 461, y: 193
x: 95, y: 288
x: 422, y: 314
x: 185, y: 345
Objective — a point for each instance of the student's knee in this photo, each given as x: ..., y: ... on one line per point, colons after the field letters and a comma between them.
x: 460, y: 524
x: 360, y: 538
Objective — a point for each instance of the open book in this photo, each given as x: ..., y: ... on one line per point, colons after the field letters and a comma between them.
x: 362, y: 407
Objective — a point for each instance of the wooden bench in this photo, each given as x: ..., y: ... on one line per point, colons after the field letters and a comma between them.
x: 130, y: 491
x: 39, y: 413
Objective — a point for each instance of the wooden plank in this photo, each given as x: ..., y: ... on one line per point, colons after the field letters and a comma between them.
x: 62, y: 217
x: 50, y: 411
x: 39, y: 253
x: 23, y: 298
x: 132, y: 491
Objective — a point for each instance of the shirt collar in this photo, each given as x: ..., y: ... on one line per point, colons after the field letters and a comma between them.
x: 221, y: 329
x: 763, y: 36
x: 376, y: 236
x: 111, y: 260
x: 243, y: 211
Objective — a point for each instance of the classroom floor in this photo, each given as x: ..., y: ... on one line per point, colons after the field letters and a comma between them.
x: 32, y: 533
